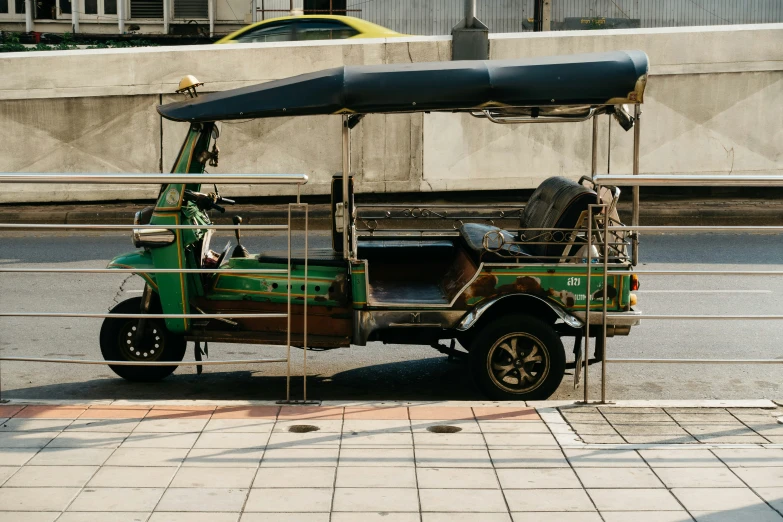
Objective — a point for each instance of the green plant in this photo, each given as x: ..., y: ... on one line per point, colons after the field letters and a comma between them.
x: 11, y: 44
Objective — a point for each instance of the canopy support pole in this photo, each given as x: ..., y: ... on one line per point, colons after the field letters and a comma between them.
x: 121, y: 16
x: 166, y: 16
x: 28, y: 16
x: 346, y: 173
x: 635, y: 219
x: 75, y: 6
x: 470, y: 37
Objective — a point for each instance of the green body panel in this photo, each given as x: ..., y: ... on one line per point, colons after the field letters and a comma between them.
x: 359, y: 283
x: 325, y: 284
x: 138, y: 259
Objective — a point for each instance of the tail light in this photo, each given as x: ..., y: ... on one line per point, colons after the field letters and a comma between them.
x: 634, y: 282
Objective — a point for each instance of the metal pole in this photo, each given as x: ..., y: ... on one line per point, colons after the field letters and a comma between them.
x: 211, y: 11
x: 166, y: 15
x: 586, y: 355
x: 75, y: 6
x: 606, y: 300
x: 288, y: 318
x: 121, y: 16
x: 346, y: 173
x: 304, y: 332
x: 546, y: 15
x: 470, y: 12
x: 28, y: 16
x: 635, y: 219
x: 594, y: 163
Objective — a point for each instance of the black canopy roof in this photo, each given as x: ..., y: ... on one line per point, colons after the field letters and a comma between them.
x: 585, y: 79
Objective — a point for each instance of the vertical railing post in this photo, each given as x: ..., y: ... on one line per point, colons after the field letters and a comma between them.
x: 586, y: 355
x: 606, y: 300
x: 637, y: 112
x: 288, y: 317
x: 304, y: 332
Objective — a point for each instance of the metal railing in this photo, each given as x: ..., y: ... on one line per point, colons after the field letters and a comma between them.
x: 287, y: 179
x: 673, y: 180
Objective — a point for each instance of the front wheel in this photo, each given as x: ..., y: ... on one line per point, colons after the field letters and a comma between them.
x: 518, y: 357
x: 120, y: 342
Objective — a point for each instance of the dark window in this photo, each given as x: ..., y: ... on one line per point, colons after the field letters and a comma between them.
x: 110, y: 7
x: 19, y: 6
x: 146, y: 8
x: 316, y: 29
x: 191, y: 9
x: 90, y: 6
x: 336, y: 7
x: 3, y: 6
x: 65, y: 6
x: 274, y: 32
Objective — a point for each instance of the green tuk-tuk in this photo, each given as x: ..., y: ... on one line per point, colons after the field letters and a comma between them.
x: 507, y: 296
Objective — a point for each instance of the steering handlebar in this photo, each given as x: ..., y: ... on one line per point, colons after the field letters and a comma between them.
x: 208, y: 201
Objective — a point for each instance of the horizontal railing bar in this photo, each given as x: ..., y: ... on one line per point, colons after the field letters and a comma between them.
x: 142, y: 363
x: 144, y: 316
x: 57, y: 226
x: 690, y: 180
x: 698, y: 361
x: 157, y: 179
x: 705, y: 317
x: 694, y: 228
x: 425, y: 206
x: 711, y: 272
x: 147, y: 270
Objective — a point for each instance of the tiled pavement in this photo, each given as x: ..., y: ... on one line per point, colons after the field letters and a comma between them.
x: 173, y: 462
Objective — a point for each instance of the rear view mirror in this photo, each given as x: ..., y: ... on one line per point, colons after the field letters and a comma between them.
x: 623, y: 116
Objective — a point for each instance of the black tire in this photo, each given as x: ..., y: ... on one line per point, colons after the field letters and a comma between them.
x: 503, y: 376
x: 117, y: 336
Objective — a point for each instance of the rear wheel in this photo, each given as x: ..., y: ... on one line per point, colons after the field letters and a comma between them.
x: 518, y: 357
x: 120, y: 342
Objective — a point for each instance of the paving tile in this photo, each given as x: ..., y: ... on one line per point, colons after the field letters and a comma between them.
x: 147, y: 457
x: 653, y: 499
x: 246, y: 412
x: 160, y: 440
x: 773, y: 496
x: 690, y: 458
x: 449, y: 440
x: 460, y: 478
x: 103, y: 516
x: 584, y: 417
x: 386, y: 413
x: 170, y: 425
x: 699, y: 478
x: 193, y: 517
x: 453, y: 458
x: 543, y: 458
x: 510, y: 440
x: 487, y: 414
x: 35, y: 424
x: 774, y: 439
x: 705, y: 418
x: 132, y: 477
x: 615, y: 409
x: 538, y: 478
x: 232, y: 440
x: 382, y: 516
x: 464, y: 517
x: 35, y: 499
x: 736, y: 428
x: 197, y: 477
x: 295, y: 477
x: 308, y: 412
x: 220, y: 425
x: 26, y: 439
x: 375, y: 477
x: 87, y: 439
x: 291, y: 500
x: 766, y: 477
x: 513, y: 427
x: 465, y: 426
x: 524, y: 500
x: 30, y: 516
x: 9, y: 410
x: 116, y: 499
x: 376, y: 499
x: 224, y: 458
x: 638, y: 418
x: 775, y: 430
x: 71, y: 457
x: 604, y: 458
x: 716, y: 499
x: 618, y: 478
x: 646, y: 516
x: 750, y: 457
x: 114, y: 413
x: 202, y: 499
x: 324, y: 426
x: 304, y: 440
x: 103, y: 425
x: 563, y: 516
x: 595, y: 428
x: 602, y: 439
x: 50, y: 412
x: 288, y: 517
x: 377, y: 440
x: 377, y: 426
x: 180, y: 413
x: 660, y: 439
x: 6, y: 472
x: 51, y: 476
x: 302, y: 458
x: 440, y: 413
x: 372, y: 457
x: 649, y: 429
x: 760, y: 513
x: 729, y: 439
x: 463, y: 500
x: 16, y: 456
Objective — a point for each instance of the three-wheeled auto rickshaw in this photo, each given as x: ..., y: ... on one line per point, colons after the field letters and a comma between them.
x: 507, y: 295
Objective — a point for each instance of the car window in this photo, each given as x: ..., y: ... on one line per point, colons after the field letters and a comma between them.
x: 323, y: 30
x: 274, y: 32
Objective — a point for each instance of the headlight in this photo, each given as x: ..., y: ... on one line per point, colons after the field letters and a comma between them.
x: 153, y: 237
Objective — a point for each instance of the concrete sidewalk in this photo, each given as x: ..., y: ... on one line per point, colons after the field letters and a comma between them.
x: 344, y: 462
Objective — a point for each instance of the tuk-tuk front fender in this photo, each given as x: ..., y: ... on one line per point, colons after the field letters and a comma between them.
x: 141, y: 259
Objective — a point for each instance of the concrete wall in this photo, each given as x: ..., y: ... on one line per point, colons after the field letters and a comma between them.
x: 714, y: 103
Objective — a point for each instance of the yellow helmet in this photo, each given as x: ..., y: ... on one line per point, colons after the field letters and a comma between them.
x: 188, y: 84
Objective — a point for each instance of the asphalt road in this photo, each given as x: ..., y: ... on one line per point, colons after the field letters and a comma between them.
x: 397, y: 372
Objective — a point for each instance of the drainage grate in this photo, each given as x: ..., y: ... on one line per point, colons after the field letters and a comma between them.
x: 303, y: 428
x: 442, y: 428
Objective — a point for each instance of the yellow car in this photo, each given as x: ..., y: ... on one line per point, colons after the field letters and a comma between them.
x: 309, y: 27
